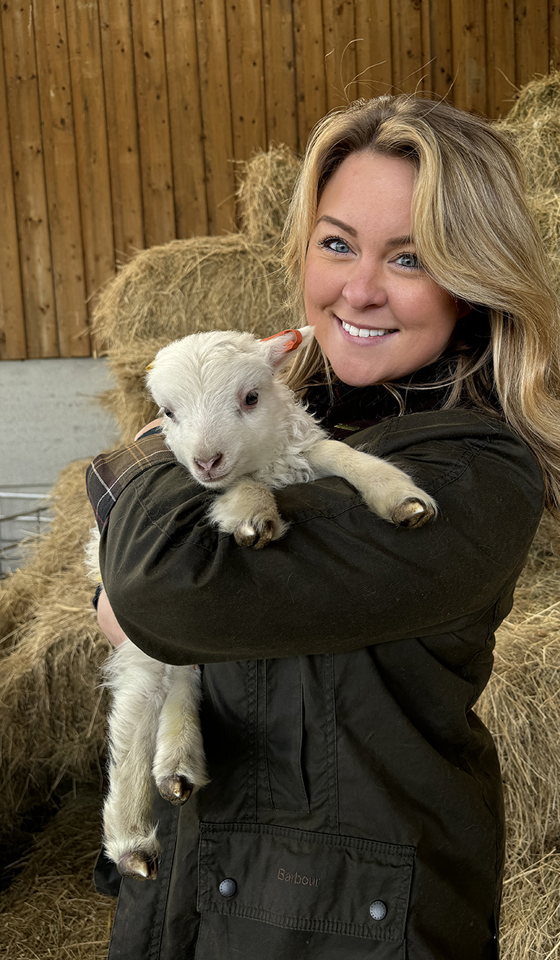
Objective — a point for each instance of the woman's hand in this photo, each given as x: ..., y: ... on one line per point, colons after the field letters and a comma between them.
x: 108, y: 622
x: 149, y: 426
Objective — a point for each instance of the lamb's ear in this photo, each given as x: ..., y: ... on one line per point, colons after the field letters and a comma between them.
x: 280, y: 347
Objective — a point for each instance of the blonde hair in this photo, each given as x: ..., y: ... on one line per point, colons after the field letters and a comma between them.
x: 476, y: 237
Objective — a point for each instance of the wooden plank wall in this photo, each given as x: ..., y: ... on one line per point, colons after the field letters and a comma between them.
x: 121, y: 120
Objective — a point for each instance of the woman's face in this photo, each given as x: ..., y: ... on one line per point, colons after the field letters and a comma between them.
x: 376, y: 314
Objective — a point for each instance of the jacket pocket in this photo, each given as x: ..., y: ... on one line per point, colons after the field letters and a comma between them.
x: 305, y: 881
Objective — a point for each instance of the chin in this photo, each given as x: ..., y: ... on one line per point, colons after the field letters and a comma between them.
x: 355, y: 378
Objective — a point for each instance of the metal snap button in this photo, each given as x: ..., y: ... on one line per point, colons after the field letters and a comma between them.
x: 228, y: 888
x: 378, y: 910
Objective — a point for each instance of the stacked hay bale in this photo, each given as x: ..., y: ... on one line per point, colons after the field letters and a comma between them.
x: 51, y: 710
x: 50, y: 910
x: 51, y: 707
x: 534, y: 125
x: 521, y: 707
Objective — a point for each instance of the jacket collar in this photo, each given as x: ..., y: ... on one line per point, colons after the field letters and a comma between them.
x: 350, y: 408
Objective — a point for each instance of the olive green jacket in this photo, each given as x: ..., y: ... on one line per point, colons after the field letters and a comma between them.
x: 355, y: 797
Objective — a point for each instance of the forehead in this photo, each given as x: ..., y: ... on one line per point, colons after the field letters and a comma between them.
x: 203, y: 368
x: 369, y: 189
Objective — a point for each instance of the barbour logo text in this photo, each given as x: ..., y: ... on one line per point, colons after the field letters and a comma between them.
x: 297, y: 878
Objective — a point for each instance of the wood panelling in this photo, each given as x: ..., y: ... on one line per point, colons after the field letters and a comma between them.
x: 156, y: 165
x: 61, y: 178
x: 122, y: 120
x: 215, y: 96
x: 119, y: 82
x: 24, y: 125
x: 92, y: 146
x: 279, y: 72
x: 13, y: 344
x: 185, y: 118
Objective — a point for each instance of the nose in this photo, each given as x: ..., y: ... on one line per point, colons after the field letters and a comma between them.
x: 206, y: 465
x: 364, y: 286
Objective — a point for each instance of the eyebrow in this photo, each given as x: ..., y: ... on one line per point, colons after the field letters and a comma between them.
x: 400, y: 242
x: 339, y: 223
x: 392, y: 242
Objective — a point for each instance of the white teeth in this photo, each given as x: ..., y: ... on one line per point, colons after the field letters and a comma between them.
x: 362, y: 332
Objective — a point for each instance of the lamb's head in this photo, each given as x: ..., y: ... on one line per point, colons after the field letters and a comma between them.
x: 224, y: 411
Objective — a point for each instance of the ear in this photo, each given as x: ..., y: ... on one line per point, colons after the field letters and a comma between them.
x: 280, y: 347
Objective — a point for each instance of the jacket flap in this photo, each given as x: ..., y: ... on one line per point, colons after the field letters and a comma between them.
x: 305, y: 881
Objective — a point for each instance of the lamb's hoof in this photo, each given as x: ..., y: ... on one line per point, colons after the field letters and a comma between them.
x: 176, y: 789
x: 254, y: 535
x: 138, y: 866
x: 412, y: 513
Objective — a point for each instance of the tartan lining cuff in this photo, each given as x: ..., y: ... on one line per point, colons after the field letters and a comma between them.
x: 110, y: 473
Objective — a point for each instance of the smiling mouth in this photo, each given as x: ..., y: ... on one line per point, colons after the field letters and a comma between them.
x: 363, y: 333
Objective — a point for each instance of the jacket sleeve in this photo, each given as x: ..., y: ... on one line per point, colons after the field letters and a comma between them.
x: 341, y: 579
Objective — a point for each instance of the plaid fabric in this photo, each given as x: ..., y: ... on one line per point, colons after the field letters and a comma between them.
x: 109, y: 474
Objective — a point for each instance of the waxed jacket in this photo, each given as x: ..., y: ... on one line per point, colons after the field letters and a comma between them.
x: 355, y: 805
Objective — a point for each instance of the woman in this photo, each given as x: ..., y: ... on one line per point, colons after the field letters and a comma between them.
x: 355, y: 805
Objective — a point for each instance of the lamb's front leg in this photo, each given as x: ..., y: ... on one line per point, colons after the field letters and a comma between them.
x: 138, y: 686
x: 388, y: 491
x: 249, y: 511
x: 179, y: 764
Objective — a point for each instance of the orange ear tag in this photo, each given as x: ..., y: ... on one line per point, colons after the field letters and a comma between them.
x: 292, y: 344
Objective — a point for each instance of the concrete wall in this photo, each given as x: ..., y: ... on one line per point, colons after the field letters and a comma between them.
x: 48, y: 417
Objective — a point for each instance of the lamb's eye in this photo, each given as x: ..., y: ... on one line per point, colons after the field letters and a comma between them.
x: 168, y: 413
x: 251, y: 399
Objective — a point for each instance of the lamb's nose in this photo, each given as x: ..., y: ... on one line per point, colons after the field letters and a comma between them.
x: 207, y: 465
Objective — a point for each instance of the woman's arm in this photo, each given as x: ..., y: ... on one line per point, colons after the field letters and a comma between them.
x: 341, y: 578
x: 106, y: 619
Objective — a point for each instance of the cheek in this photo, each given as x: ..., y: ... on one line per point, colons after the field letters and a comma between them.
x: 439, y: 312
x: 311, y: 288
x: 320, y: 281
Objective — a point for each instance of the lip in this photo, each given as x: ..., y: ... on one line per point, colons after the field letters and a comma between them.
x: 213, y: 481
x: 364, y: 341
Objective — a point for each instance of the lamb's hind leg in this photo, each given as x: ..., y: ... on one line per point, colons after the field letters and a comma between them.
x: 179, y: 763
x: 138, y: 688
x: 388, y: 491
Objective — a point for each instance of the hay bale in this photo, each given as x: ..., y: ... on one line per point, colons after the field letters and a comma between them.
x: 263, y: 197
x: 536, y: 97
x: 534, y: 125
x: 51, y: 707
x: 545, y: 206
x: 129, y: 401
x: 185, y: 286
x: 521, y: 707
x: 51, y: 909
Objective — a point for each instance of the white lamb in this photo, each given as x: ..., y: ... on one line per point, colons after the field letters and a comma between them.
x: 236, y: 428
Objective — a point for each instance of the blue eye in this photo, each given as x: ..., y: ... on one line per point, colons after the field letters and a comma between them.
x: 408, y: 260
x: 336, y: 244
